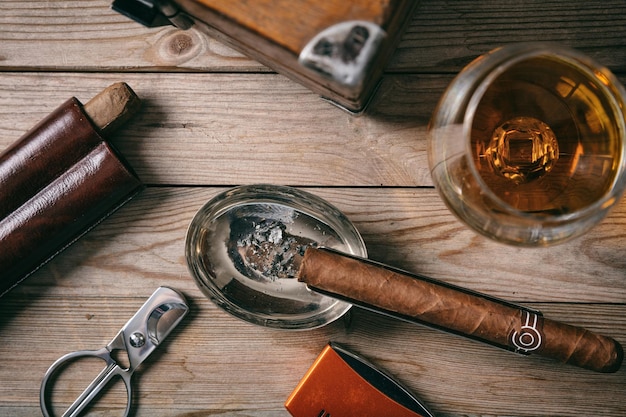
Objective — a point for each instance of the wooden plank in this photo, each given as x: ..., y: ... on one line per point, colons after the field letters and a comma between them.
x: 210, y: 366
x: 224, y: 129
x: 143, y: 245
x: 443, y: 36
x: 94, y: 37
x: 238, y: 128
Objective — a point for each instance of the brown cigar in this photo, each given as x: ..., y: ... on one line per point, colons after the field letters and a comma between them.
x: 456, y: 310
x: 112, y: 107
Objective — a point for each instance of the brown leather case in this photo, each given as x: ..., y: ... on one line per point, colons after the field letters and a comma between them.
x: 56, y: 182
x: 336, y: 48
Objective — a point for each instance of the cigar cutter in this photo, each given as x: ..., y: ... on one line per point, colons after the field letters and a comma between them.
x: 139, y: 337
x: 342, y: 384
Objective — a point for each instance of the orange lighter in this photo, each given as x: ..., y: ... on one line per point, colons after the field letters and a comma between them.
x: 343, y: 384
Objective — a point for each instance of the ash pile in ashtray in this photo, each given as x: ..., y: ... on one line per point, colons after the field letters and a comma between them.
x: 267, y: 251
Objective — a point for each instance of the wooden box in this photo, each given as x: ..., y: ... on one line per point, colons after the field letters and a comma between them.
x: 337, y: 48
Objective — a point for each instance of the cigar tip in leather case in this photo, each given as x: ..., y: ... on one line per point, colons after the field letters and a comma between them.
x: 112, y: 107
x: 60, y: 179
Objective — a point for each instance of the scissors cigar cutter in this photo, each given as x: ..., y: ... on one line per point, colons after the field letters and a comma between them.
x: 139, y: 337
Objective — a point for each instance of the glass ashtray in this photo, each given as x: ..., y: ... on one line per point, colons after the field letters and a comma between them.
x: 243, y: 249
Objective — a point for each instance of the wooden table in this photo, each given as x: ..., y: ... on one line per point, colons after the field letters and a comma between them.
x: 213, y: 119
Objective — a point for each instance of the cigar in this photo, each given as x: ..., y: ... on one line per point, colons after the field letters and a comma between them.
x: 112, y: 107
x: 60, y: 179
x: 456, y: 310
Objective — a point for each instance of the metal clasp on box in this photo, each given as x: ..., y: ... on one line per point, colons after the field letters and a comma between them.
x: 153, y: 13
x: 344, y: 52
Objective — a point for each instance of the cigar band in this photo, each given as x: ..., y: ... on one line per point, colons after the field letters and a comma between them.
x: 528, y: 337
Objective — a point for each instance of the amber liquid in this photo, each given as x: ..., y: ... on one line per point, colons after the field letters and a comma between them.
x: 544, y: 138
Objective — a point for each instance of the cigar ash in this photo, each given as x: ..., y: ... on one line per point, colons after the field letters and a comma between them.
x: 265, y: 250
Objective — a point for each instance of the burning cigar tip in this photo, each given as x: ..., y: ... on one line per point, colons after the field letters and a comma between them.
x: 112, y: 107
x: 300, y: 267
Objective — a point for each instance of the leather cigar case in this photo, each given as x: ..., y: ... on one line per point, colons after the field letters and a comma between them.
x: 56, y: 182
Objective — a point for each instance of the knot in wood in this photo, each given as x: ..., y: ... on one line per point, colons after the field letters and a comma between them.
x: 180, y: 43
x: 176, y: 47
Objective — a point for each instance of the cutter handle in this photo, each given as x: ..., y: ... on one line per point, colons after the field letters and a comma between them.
x: 111, y: 370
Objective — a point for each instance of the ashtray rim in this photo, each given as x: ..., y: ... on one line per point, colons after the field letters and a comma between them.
x: 292, y: 198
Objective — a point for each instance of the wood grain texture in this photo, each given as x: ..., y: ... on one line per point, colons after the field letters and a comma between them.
x: 94, y: 37
x: 197, y: 129
x: 442, y: 36
x: 142, y: 246
x: 217, y: 365
x: 194, y: 128
x: 447, y: 35
x: 212, y: 119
